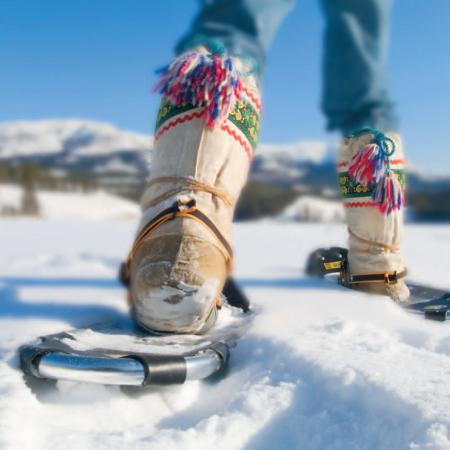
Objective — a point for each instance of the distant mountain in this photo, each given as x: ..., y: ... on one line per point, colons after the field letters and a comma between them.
x: 118, y: 160
x: 313, y: 209
x: 306, y: 166
x: 115, y: 159
x: 310, y: 166
x: 67, y: 137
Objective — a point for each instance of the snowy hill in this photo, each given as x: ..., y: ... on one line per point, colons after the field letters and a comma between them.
x: 105, y: 152
x: 313, y: 209
x: 309, y: 166
x: 77, y: 138
x: 321, y: 368
x: 97, y: 205
x: 118, y: 161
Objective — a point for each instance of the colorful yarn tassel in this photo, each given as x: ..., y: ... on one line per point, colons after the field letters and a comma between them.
x: 371, y: 167
x: 388, y: 194
x: 209, y: 81
x: 368, y: 165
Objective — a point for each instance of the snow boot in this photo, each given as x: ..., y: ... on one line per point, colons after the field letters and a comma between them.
x: 372, y: 183
x: 206, y: 133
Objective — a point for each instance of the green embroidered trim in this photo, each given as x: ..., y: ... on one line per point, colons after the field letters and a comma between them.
x: 167, y: 111
x: 244, y: 116
x: 352, y: 189
x: 246, y: 119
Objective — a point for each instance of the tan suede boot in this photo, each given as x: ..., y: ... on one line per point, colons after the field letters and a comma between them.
x: 372, y: 182
x: 206, y: 132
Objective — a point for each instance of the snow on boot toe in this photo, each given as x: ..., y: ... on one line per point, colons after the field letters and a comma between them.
x: 176, y: 281
x: 399, y: 291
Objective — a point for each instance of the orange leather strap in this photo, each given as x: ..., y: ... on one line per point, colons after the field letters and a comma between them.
x: 178, y: 209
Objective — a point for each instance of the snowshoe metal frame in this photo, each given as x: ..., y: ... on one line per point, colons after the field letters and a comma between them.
x: 434, y: 303
x: 44, y: 361
x: 50, y: 359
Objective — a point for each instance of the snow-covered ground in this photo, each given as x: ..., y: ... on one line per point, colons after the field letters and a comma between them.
x: 314, y: 209
x: 322, y: 368
x: 95, y: 205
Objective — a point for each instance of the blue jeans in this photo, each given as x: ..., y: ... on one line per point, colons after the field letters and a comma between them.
x: 355, y: 81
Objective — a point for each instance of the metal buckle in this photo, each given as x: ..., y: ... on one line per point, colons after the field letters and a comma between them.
x: 345, y: 278
x: 184, y: 207
x: 388, y: 280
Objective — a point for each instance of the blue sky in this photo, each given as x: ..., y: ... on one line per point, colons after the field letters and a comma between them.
x: 95, y: 59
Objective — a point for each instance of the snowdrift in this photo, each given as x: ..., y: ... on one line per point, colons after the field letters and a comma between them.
x: 321, y: 368
x: 314, y: 209
x: 96, y: 205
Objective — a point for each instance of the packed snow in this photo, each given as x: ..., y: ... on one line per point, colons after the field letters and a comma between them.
x: 320, y: 368
x: 314, y: 209
x: 95, y: 205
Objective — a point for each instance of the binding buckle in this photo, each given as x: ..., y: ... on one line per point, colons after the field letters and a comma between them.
x: 183, y: 206
x: 390, y: 278
x: 387, y: 281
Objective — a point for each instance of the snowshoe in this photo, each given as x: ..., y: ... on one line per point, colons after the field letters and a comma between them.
x: 125, y: 354
x: 432, y: 302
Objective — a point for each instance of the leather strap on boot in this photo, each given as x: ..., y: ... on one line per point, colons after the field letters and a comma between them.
x: 179, y: 209
x: 388, y: 278
x: 324, y: 261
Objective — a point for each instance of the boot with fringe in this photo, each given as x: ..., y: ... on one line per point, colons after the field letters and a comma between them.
x: 206, y: 133
x: 372, y: 183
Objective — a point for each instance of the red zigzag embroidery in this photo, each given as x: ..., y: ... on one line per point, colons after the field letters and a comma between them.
x: 197, y: 115
x: 359, y: 204
x: 253, y: 99
x: 238, y: 138
x: 178, y: 121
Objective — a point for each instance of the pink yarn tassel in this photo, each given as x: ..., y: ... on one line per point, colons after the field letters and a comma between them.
x: 370, y: 167
x: 209, y: 81
x: 388, y: 194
